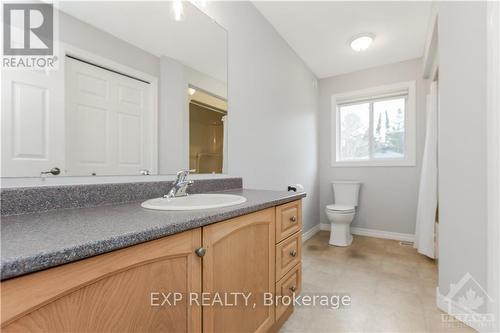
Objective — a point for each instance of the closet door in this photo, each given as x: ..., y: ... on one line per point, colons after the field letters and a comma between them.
x: 108, y: 121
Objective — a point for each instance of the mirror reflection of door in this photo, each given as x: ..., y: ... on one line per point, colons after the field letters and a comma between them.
x: 109, y: 121
x: 207, y: 121
x: 115, y: 102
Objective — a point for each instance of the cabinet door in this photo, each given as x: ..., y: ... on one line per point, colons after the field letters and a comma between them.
x: 110, y: 292
x: 240, y: 256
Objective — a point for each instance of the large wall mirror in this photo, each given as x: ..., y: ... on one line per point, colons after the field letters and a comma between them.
x: 140, y: 88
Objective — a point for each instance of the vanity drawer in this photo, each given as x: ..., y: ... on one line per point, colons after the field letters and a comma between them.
x: 288, y: 219
x: 288, y: 285
x: 288, y: 254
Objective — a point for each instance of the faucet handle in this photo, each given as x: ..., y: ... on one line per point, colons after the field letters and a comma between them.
x: 181, y: 175
x: 186, y: 171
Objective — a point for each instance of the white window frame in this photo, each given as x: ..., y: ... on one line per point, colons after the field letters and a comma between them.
x: 374, y: 93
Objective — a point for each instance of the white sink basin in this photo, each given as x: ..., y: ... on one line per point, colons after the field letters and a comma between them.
x: 194, y: 202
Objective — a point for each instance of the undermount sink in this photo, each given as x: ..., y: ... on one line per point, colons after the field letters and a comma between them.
x: 194, y: 202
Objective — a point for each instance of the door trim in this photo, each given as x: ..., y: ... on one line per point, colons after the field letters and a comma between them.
x: 493, y: 156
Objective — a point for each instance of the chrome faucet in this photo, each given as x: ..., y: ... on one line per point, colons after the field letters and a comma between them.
x: 180, y: 185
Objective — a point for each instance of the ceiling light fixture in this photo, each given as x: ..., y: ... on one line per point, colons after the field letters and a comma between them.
x: 178, y: 10
x: 362, y: 42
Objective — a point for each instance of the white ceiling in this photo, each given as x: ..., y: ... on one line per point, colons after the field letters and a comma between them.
x: 196, y: 41
x: 320, y: 32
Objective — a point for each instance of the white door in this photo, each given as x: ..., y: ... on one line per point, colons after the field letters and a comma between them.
x: 32, y: 120
x: 108, y: 119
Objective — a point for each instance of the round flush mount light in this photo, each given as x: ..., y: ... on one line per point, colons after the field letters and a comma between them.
x: 362, y: 42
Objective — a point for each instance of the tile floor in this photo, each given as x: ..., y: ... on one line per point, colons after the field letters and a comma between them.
x: 392, y: 288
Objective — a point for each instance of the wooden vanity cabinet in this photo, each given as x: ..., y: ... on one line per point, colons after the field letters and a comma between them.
x: 109, y: 292
x: 240, y: 258
x: 112, y: 292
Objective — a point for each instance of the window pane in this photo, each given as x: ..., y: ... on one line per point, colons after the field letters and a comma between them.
x: 354, y: 131
x: 389, y: 128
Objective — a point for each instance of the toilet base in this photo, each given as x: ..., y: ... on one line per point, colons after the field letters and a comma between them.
x: 340, y: 234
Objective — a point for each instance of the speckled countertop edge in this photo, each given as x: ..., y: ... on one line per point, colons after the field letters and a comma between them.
x: 16, y: 266
x: 27, y: 200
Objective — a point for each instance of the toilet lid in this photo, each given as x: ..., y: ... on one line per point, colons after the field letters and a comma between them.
x: 340, y: 208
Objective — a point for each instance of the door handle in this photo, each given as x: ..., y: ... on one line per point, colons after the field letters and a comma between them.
x: 54, y: 171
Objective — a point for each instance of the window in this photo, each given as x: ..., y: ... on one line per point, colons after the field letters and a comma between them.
x: 375, y: 127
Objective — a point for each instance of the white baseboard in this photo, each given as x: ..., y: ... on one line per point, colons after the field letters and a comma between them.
x: 311, y: 232
x: 376, y: 233
x: 450, y: 307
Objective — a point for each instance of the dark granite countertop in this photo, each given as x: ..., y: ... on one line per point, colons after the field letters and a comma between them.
x: 37, y: 241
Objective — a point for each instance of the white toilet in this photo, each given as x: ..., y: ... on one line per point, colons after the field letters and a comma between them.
x: 341, y: 213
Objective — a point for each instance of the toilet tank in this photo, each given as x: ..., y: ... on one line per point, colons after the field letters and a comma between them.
x: 346, y: 192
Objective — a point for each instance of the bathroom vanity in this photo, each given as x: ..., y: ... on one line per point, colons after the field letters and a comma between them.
x: 253, y: 248
x: 90, y: 258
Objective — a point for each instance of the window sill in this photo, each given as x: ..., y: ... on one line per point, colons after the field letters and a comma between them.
x: 356, y: 164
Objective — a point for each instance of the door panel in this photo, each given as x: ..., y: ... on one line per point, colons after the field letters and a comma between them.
x: 93, y: 124
x: 130, y: 140
x: 122, y: 131
x: 90, y: 117
x: 92, y: 85
x: 240, y: 257
x: 32, y: 122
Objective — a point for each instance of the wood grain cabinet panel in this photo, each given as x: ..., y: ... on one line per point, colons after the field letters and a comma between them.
x: 240, y: 258
x: 288, y: 254
x: 110, y: 292
x: 289, y: 284
x: 288, y: 219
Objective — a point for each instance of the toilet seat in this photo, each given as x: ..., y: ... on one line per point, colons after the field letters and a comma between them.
x: 340, y: 209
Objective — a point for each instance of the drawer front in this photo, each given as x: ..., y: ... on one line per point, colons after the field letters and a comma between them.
x: 288, y: 254
x: 289, y: 284
x: 288, y: 219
